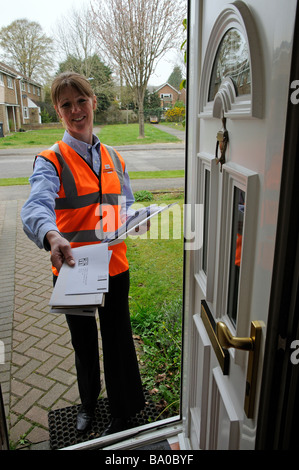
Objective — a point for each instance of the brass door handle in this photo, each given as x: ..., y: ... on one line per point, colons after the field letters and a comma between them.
x: 227, y: 340
x: 251, y: 344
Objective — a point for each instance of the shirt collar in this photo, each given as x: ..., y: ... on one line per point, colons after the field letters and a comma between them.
x: 82, y: 148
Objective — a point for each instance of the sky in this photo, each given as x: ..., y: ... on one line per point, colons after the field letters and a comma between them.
x: 47, y: 12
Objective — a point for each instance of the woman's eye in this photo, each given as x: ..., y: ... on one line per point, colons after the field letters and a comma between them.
x: 64, y: 105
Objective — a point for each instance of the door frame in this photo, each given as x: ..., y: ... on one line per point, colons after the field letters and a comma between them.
x: 279, y: 406
x: 278, y: 411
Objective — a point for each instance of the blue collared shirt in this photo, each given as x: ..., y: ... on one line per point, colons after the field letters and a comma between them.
x: 38, y: 213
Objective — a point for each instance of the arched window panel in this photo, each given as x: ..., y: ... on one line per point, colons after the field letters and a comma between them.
x: 232, y: 61
x: 232, y: 77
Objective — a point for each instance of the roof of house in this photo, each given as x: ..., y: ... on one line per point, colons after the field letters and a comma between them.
x: 153, y: 88
x: 167, y: 84
x: 8, y: 70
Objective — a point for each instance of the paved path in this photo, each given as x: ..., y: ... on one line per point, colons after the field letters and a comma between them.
x: 38, y: 372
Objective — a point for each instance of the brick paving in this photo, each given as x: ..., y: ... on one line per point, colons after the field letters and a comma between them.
x: 37, y: 374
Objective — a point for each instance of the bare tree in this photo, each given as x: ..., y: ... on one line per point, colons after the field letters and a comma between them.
x: 27, y: 48
x: 135, y: 34
x: 75, y: 38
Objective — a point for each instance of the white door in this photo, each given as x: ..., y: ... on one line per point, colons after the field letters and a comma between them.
x: 238, y: 89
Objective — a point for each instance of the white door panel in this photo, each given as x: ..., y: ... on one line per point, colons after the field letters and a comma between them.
x: 200, y: 398
x: 225, y: 420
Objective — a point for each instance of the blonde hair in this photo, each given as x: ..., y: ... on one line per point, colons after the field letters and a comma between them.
x: 70, y: 79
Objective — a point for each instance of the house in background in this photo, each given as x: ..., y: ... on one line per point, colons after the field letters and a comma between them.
x: 18, y: 100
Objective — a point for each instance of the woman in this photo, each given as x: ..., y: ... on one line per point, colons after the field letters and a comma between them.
x: 70, y: 186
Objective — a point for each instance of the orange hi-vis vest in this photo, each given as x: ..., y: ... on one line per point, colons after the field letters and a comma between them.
x: 88, y: 205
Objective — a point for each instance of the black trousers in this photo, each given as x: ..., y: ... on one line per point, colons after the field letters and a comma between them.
x: 122, y: 377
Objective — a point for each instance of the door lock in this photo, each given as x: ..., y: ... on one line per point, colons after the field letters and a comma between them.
x: 251, y: 344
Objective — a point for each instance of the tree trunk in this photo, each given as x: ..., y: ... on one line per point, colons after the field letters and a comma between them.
x: 141, y: 114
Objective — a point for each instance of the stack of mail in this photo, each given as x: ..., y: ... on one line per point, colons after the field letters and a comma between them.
x: 80, y: 289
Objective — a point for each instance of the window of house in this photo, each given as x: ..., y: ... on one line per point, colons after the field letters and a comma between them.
x: 38, y: 91
x: 28, y: 87
x: 166, y: 95
x: 26, y: 112
x: 23, y: 87
x: 33, y: 89
x: 1, y: 79
x: 9, y: 82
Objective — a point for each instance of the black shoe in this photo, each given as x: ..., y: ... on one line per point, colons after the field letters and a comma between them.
x: 115, y: 425
x: 84, y: 419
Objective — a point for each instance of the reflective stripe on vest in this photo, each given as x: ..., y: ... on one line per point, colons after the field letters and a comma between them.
x: 72, y: 200
x: 86, y: 208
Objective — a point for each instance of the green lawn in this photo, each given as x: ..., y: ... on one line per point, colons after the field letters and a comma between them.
x: 122, y: 134
x: 38, y: 138
x: 156, y: 257
x: 115, y: 135
x: 14, y: 181
x: 145, y: 175
x: 133, y: 176
x: 156, y: 293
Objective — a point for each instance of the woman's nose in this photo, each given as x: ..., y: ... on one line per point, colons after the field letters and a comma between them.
x: 75, y: 108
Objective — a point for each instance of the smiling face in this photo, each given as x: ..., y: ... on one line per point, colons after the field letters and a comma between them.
x: 76, y: 110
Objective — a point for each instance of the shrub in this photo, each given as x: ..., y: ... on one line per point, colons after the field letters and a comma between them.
x: 161, y: 335
x: 113, y: 113
x: 45, y: 116
x: 176, y: 114
x: 143, y: 195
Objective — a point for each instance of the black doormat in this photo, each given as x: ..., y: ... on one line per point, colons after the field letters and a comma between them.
x: 162, y: 445
x: 62, y: 423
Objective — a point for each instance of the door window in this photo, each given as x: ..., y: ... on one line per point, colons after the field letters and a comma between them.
x: 235, y: 254
x: 206, y: 221
x: 237, y: 236
x: 207, y: 201
x: 232, y: 81
x: 232, y: 61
